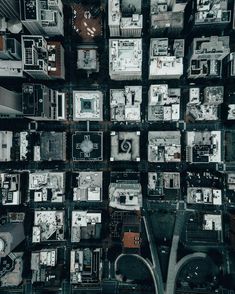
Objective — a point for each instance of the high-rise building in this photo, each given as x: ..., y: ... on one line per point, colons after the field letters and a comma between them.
x: 35, y: 56
x: 125, y: 18
x: 10, y: 103
x: 42, y: 59
x: 10, y: 8
x: 41, y: 103
x: 10, y: 57
x: 167, y: 17
x: 43, y: 17
x: 10, y: 48
x: 56, y: 68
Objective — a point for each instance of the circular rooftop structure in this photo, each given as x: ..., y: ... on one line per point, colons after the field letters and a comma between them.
x: 87, y: 146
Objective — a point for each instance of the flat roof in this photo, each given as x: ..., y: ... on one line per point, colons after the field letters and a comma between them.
x: 163, y: 103
x: 125, y: 103
x: 47, y: 186
x: 125, y: 56
x: 88, y: 105
x: 125, y: 146
x: 166, y: 60
x: 203, y: 147
x: 164, y: 146
x: 85, y: 225
x: 88, y: 186
x: 125, y: 195
x: 87, y: 146
x: 48, y: 225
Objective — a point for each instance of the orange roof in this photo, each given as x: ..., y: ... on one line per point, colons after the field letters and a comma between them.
x: 131, y: 240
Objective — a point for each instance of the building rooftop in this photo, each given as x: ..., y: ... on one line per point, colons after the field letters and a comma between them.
x: 85, y: 225
x: 41, y: 102
x: 56, y: 66
x: 87, y: 105
x: 87, y: 146
x: 11, y: 68
x: 203, y: 147
x: 125, y: 59
x: 46, y: 266
x: 212, y: 13
x: 125, y: 146
x: 204, y: 227
x: 52, y: 147
x: 124, y: 18
x: 43, y: 16
x: 206, y: 56
x: 131, y: 234
x: 201, y: 195
x: 87, y: 58
x: 167, y: 15
x: 166, y: 58
x: 88, y: 186
x: 125, y: 195
x: 11, y: 269
x: 10, y: 189
x: 164, y: 185
x: 229, y: 150
x: 14, y: 146
x: 164, y: 146
x: 6, y: 142
x: 35, y: 56
x: 48, y: 226
x: 47, y: 186
x: 231, y: 112
x: 231, y: 181
x: 206, y: 107
x: 125, y: 103
x: 163, y: 103
x: 10, y: 48
x: 212, y: 222
x: 131, y: 240
x: 85, y: 266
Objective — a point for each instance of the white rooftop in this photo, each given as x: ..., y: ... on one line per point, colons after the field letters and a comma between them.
x: 163, y: 103
x: 6, y: 142
x: 89, y: 187
x: 125, y: 58
x: 212, y: 222
x: 46, y: 224
x: 88, y: 59
x: 125, y: 103
x: 87, y: 105
x: 201, y: 195
x: 162, y: 63
x: 45, y: 183
x: 125, y: 195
